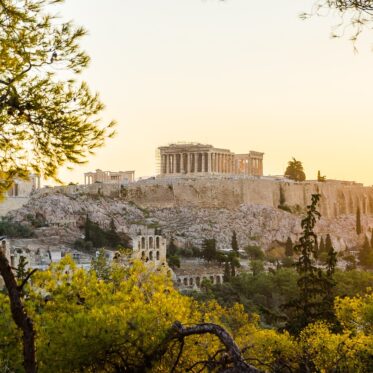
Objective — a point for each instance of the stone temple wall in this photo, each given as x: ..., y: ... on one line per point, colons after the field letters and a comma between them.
x: 337, y: 198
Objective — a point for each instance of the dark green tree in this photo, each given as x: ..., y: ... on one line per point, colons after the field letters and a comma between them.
x: 313, y: 284
x: 209, y: 252
x: 329, y: 283
x: 322, y: 245
x: 255, y: 252
x: 366, y: 255
x: 87, y: 228
x: 358, y: 221
x: 328, y: 244
x: 234, y: 243
x: 21, y: 271
x: 227, y: 271
x: 234, y: 262
x: 319, y: 177
x: 294, y: 170
x: 46, y: 120
x: 173, y: 257
x: 289, y: 248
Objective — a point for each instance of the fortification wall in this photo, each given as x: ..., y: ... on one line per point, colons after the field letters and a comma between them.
x: 337, y: 197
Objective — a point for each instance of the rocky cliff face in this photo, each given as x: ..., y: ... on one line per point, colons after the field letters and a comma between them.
x: 337, y: 197
x: 191, y: 210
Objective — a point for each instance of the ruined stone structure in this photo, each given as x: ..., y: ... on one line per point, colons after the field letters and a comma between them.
x: 200, y: 159
x: 191, y: 274
x: 110, y: 177
x: 149, y: 248
x: 23, y: 188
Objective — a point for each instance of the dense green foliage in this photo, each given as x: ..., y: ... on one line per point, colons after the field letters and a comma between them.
x: 294, y: 171
x: 14, y: 229
x: 96, y: 237
x: 46, y: 118
x: 113, y: 319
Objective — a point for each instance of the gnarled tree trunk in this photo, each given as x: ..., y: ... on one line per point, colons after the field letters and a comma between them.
x: 19, y: 314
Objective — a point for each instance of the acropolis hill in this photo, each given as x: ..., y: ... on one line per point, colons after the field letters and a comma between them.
x: 337, y: 197
x: 191, y: 209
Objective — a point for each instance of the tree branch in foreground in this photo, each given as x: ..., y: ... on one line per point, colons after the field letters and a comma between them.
x: 19, y: 315
x: 239, y: 364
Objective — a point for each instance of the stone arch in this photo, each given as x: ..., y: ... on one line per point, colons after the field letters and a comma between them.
x: 185, y: 281
x: 151, y: 241
x: 157, y: 255
x: 143, y: 242
x: 157, y: 242
x: 143, y: 255
x: 151, y: 255
x: 179, y: 281
x: 191, y: 281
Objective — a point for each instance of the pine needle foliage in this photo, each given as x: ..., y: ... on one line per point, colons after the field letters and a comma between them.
x: 48, y: 118
x: 315, y: 301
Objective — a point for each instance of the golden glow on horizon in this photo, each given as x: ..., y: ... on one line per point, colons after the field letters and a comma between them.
x: 240, y: 75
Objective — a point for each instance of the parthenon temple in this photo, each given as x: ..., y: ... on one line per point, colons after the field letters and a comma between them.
x: 200, y: 159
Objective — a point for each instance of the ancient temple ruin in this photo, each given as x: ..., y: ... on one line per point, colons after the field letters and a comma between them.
x: 200, y: 159
x: 110, y: 177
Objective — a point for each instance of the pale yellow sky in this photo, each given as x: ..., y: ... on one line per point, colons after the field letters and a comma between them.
x: 244, y: 75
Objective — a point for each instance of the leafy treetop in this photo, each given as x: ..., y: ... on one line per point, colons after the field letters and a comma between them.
x: 47, y: 119
x: 294, y: 170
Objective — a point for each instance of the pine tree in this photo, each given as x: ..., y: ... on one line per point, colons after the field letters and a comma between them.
x: 315, y: 296
x: 87, y: 229
x: 21, y: 271
x: 358, y: 221
x: 48, y: 118
x: 322, y: 245
x: 366, y: 255
x: 209, y: 252
x: 227, y: 271
x: 329, y: 285
x: 289, y: 248
x: 295, y: 170
x: 234, y: 242
x: 328, y: 244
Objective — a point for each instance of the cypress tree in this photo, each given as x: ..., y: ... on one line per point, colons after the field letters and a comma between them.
x: 289, y: 247
x: 87, y: 229
x: 328, y: 243
x: 234, y: 242
x: 322, y: 245
x: 358, y: 221
x: 315, y: 299
x: 227, y: 271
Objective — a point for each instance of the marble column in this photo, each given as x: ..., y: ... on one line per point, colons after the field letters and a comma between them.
x: 209, y: 155
x: 195, y: 162
x: 203, y: 162
x: 182, y: 163
x: 167, y: 164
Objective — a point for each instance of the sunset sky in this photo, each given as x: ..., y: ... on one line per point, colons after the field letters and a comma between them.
x: 243, y: 75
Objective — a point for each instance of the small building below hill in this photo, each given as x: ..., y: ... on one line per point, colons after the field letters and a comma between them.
x: 192, y: 273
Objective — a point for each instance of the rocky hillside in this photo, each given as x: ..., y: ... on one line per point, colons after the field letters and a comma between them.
x: 60, y: 213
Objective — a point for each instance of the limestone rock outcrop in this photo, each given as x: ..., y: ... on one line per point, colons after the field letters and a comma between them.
x: 191, y: 210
